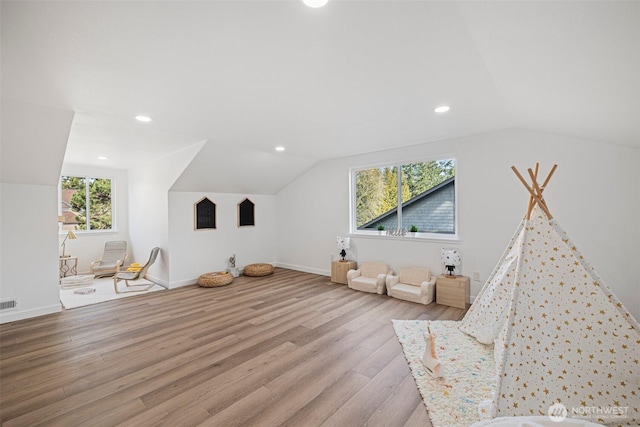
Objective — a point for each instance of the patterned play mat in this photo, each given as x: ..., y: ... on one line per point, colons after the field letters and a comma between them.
x: 468, y: 365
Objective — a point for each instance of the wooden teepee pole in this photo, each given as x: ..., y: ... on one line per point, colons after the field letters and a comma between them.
x: 531, y: 200
x: 544, y: 185
x: 535, y: 191
x: 532, y: 195
x: 546, y: 181
x: 538, y: 195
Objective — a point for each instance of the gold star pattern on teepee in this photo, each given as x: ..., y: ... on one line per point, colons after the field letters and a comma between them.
x: 552, y: 299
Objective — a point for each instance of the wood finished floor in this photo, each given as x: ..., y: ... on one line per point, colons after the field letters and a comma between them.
x: 290, y: 349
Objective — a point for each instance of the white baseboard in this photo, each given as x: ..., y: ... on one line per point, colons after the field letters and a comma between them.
x: 181, y: 283
x: 304, y: 269
x: 26, y: 314
x: 158, y: 281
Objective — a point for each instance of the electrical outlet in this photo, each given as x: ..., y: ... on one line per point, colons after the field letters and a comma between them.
x: 476, y: 276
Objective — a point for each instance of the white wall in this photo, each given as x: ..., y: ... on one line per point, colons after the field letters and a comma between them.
x: 194, y: 252
x: 33, y: 140
x: 593, y: 195
x: 89, y: 246
x: 29, y: 250
x: 149, y: 186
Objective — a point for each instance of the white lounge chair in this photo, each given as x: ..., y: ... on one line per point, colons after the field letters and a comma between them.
x: 115, y: 253
x: 128, y: 276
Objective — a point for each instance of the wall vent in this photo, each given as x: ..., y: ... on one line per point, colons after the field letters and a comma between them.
x: 8, y: 304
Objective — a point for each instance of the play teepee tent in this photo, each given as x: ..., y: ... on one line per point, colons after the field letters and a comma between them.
x: 560, y: 335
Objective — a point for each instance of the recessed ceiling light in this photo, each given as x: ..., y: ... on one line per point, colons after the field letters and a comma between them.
x: 442, y: 109
x: 279, y: 148
x: 102, y: 158
x: 315, y: 3
x: 143, y: 118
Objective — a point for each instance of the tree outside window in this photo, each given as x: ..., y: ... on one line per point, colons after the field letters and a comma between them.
x: 376, y: 193
x: 423, y: 190
x: 86, y: 203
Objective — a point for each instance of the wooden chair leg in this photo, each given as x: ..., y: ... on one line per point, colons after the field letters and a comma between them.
x: 143, y: 287
x: 146, y: 286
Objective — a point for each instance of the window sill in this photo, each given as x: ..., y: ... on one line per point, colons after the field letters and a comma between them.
x: 419, y: 237
x: 91, y: 232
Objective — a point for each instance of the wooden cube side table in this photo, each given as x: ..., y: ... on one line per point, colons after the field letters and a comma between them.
x: 452, y: 290
x: 339, y: 270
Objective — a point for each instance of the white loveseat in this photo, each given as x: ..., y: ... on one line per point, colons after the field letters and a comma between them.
x: 370, y: 277
x: 412, y: 284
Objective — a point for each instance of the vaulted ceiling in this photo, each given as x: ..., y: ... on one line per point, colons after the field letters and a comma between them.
x: 352, y: 77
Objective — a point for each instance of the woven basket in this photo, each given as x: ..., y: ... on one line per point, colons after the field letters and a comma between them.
x: 218, y: 278
x: 256, y: 270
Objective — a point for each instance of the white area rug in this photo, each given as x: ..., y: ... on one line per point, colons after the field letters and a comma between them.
x: 104, y: 292
x: 469, y: 369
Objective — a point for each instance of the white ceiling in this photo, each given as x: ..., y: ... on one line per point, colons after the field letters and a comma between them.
x: 352, y: 77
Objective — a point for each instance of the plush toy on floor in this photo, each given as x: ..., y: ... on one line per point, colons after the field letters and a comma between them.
x: 430, y: 359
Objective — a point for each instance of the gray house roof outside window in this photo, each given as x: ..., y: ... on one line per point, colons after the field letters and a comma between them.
x: 432, y: 211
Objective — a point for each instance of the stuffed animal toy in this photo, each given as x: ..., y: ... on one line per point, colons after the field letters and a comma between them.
x: 430, y: 358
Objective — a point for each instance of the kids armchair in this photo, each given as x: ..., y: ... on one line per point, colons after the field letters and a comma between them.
x: 370, y: 277
x: 412, y: 284
x: 113, y: 257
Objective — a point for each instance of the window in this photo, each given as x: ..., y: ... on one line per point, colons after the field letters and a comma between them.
x: 418, y: 195
x: 86, y: 203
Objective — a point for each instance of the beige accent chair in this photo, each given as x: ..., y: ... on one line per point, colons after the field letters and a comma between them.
x: 113, y: 257
x: 412, y: 284
x: 370, y: 277
x: 136, y: 275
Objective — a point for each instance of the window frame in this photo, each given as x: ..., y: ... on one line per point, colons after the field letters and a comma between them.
x: 88, y: 177
x: 353, y: 228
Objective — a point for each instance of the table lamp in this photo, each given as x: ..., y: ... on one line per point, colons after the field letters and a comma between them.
x: 343, y: 244
x: 451, y: 259
x: 70, y: 235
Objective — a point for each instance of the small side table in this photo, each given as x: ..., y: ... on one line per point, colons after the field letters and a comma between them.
x: 68, y: 266
x: 452, y: 290
x: 339, y: 270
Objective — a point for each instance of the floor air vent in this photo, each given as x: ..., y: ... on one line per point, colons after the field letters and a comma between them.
x: 8, y: 304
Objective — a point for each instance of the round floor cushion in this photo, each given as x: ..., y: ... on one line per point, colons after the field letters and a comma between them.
x: 218, y: 278
x: 256, y: 270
